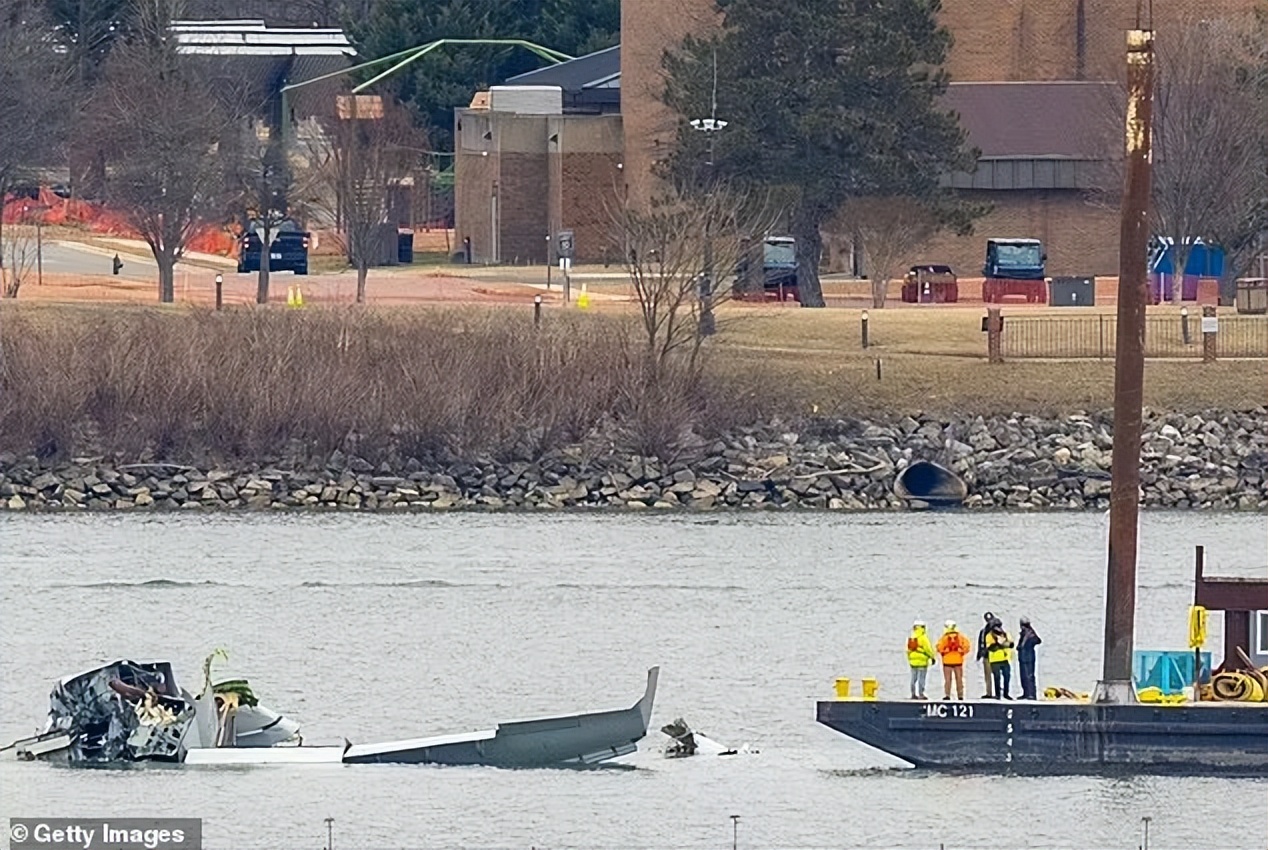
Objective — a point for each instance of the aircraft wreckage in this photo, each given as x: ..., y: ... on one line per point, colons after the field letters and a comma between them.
x: 129, y: 712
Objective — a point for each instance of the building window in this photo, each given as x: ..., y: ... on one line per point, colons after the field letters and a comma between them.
x: 1262, y: 631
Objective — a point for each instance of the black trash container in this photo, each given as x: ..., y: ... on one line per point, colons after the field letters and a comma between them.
x: 405, y: 246
x: 1072, y: 292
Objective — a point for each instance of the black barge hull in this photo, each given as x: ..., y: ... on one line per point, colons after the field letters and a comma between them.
x: 1060, y: 737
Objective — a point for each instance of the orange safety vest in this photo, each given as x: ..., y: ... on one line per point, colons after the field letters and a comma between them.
x: 953, y: 646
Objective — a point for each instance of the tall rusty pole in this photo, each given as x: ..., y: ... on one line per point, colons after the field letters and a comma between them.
x: 1129, y: 373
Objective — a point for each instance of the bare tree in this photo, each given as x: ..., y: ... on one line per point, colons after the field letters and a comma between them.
x: 888, y: 230
x: 1210, y: 137
x: 1243, y: 230
x: 368, y: 148
x: 34, y: 92
x: 85, y: 32
x: 670, y: 246
x: 167, y: 130
x: 19, y: 248
x: 263, y: 180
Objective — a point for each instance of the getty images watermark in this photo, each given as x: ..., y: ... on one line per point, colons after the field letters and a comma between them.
x: 105, y: 833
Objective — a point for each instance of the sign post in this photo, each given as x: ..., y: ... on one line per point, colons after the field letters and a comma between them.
x: 1210, y: 327
x: 550, y: 242
x: 565, y: 248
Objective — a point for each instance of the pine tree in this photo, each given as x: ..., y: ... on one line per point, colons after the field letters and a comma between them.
x: 825, y: 100
x: 447, y: 78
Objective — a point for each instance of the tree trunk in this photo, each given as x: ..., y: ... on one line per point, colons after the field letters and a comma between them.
x: 805, y: 229
x: 753, y: 283
x: 262, y: 281
x: 363, y: 269
x: 10, y: 283
x: 167, y: 277
x: 1179, y: 259
x: 880, y: 289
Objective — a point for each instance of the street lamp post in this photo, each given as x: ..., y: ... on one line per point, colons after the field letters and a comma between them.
x: 330, y: 833
x: 735, y: 832
x: 707, y: 325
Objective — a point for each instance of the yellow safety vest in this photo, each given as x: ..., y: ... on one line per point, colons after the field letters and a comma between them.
x: 997, y: 648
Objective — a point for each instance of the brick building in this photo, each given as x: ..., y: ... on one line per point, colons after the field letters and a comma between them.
x: 1025, y: 75
x: 538, y: 155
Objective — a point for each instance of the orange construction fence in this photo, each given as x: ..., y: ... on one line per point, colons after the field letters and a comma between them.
x: 52, y: 209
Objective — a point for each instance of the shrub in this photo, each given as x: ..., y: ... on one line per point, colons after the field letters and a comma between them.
x: 249, y: 384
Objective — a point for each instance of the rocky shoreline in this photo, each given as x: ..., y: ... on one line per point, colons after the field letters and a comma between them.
x: 1215, y: 460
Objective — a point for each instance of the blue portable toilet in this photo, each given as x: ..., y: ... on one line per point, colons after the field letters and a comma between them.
x: 1204, y: 261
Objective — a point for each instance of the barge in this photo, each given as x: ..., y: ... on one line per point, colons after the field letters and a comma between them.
x: 1111, y: 731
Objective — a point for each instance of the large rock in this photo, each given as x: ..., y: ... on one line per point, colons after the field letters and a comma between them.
x: 1213, y: 460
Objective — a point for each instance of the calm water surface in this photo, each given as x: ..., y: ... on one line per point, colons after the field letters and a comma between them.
x: 377, y: 628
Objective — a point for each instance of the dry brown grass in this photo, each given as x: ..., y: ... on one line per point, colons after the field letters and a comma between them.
x: 249, y: 383
x: 246, y: 383
x: 933, y: 359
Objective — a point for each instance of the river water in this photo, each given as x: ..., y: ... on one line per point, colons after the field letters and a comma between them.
x: 387, y: 627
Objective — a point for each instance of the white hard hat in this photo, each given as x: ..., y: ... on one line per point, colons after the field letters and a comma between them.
x: 950, y: 624
x: 918, y: 623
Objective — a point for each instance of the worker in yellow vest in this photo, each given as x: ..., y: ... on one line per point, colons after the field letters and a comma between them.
x: 999, y: 651
x: 920, y: 655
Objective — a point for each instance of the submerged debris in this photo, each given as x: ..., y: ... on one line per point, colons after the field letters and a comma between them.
x: 688, y: 742
x: 129, y: 711
x: 124, y: 711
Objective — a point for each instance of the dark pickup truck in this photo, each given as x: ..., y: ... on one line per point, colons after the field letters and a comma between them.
x: 289, y: 251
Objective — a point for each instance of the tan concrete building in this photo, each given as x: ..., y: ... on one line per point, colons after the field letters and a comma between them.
x: 521, y: 177
x: 1024, y: 73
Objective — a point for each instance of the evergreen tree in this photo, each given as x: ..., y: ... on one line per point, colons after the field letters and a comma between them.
x: 825, y: 100
x: 448, y: 77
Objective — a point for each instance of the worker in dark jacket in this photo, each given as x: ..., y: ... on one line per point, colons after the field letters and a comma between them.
x: 999, y: 651
x: 981, y: 654
x: 1027, y: 640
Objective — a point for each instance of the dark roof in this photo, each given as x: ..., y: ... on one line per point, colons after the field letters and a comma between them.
x: 587, y: 71
x: 1037, y: 120
x: 1025, y: 121
x: 263, y: 59
x: 590, y: 83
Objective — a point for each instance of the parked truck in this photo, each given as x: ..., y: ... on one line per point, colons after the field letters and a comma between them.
x: 1014, y: 267
x: 289, y: 251
x: 780, y: 270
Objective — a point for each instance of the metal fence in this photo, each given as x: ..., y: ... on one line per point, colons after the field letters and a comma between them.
x: 1165, y: 336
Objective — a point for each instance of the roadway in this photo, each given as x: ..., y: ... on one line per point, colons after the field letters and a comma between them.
x: 78, y: 259
x: 74, y: 259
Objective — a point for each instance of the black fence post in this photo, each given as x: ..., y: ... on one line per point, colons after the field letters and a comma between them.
x: 1210, y: 327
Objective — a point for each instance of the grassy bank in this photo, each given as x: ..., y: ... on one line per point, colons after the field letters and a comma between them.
x: 935, y: 360
x: 246, y: 383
